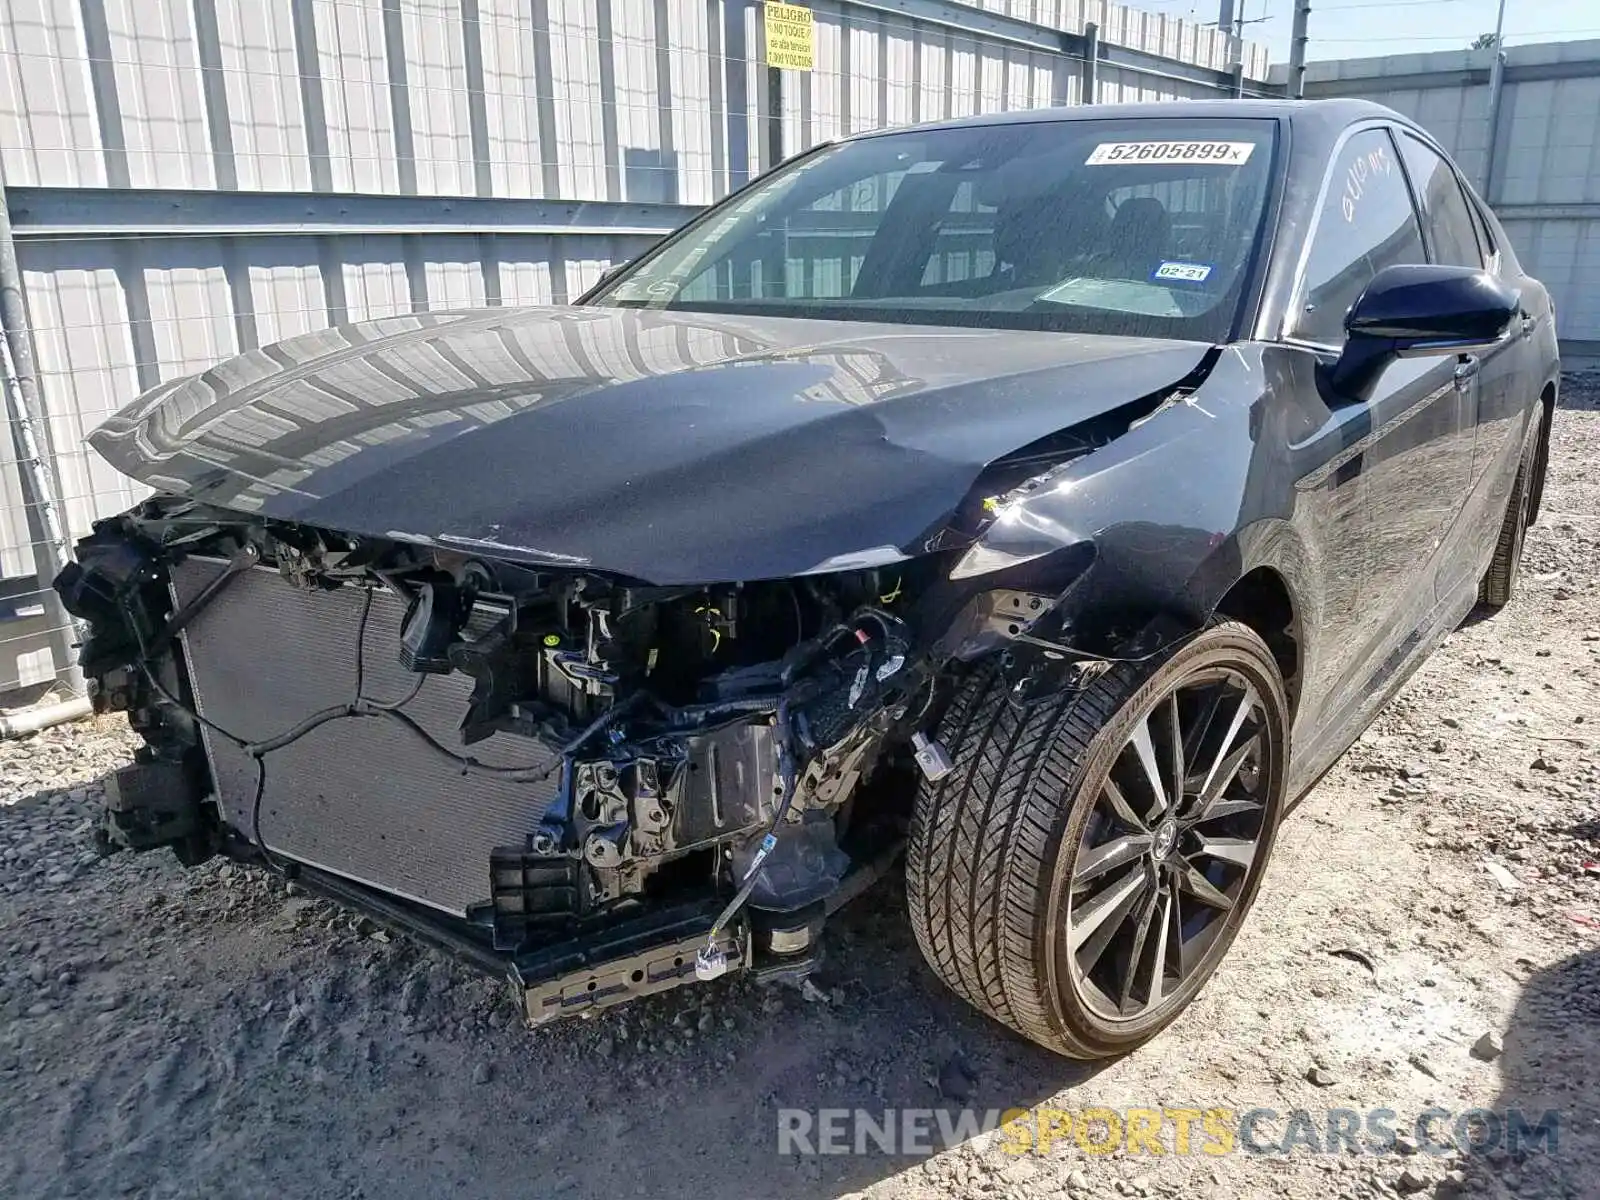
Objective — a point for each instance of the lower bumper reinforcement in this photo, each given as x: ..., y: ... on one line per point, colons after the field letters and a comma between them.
x: 603, y: 967
x: 655, y: 969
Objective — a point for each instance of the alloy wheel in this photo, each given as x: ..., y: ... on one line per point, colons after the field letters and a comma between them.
x: 1166, y: 853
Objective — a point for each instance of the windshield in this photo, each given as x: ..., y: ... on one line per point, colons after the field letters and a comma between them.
x: 1143, y: 227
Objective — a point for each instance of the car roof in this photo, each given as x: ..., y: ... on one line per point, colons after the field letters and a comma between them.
x: 1322, y: 117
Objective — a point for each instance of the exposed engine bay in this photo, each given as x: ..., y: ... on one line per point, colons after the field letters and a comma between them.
x: 546, y: 768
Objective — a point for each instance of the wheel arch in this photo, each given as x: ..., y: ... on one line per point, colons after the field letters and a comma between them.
x: 1264, y: 578
x: 1261, y: 598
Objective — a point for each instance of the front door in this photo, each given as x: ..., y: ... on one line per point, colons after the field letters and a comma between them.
x: 1411, y: 441
x: 1484, y: 380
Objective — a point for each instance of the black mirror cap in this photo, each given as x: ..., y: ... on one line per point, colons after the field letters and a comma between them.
x: 1423, y: 307
x: 1417, y: 309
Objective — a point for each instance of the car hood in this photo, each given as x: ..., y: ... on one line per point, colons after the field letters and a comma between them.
x: 669, y: 447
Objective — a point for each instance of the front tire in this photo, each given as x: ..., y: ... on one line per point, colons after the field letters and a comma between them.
x: 1084, y: 868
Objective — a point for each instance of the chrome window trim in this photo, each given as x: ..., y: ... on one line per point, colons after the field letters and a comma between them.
x: 1307, y: 344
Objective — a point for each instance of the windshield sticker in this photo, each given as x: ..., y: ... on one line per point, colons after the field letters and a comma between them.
x: 1227, y: 154
x: 1181, y: 272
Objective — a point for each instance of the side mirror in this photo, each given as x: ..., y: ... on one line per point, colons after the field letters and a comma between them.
x: 1412, y: 310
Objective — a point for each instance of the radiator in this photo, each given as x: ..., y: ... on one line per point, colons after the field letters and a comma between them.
x: 361, y: 797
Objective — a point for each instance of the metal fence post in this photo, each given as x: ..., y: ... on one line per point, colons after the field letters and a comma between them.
x: 1091, y: 62
x: 35, y: 454
x: 1497, y: 86
x: 774, y: 129
x: 774, y: 117
x: 1491, y: 149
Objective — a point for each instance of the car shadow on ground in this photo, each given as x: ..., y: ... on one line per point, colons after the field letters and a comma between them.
x: 1570, y: 399
x: 1578, y: 398
x: 958, y: 1059
x: 1548, y: 1085
x: 1480, y: 612
x: 889, y: 1045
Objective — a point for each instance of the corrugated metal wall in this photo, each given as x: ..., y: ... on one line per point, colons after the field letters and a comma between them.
x: 1546, y: 179
x: 200, y: 116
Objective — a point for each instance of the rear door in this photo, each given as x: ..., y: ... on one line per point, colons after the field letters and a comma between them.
x: 1406, y: 440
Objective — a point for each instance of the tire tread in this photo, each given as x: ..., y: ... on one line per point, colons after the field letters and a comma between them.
x: 984, y: 840
x: 1499, y: 582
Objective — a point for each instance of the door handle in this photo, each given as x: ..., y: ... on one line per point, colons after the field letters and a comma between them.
x: 1529, y: 324
x: 1466, y: 369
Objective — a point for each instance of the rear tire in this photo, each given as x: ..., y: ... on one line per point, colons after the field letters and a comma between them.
x: 1058, y: 880
x: 1499, y: 582
x: 1541, y: 462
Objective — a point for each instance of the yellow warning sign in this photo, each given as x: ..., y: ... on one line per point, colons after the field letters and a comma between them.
x: 791, y: 37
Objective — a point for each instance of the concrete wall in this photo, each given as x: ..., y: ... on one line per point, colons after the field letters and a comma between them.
x: 192, y: 179
x: 1546, y: 171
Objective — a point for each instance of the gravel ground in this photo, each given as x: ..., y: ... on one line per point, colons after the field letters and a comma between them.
x: 170, y: 1033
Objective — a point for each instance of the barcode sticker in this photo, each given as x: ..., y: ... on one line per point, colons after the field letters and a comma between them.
x: 1227, y: 154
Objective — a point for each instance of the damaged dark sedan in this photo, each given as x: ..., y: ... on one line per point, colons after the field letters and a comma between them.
x: 1048, y: 498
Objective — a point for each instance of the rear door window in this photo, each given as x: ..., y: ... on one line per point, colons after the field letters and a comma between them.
x: 1366, y: 222
x: 1491, y: 248
x: 1446, y: 214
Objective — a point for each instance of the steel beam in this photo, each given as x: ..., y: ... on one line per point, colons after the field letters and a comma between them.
x: 1582, y: 210
x: 968, y: 19
x: 51, y: 212
x: 1423, y: 81
x: 999, y: 27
